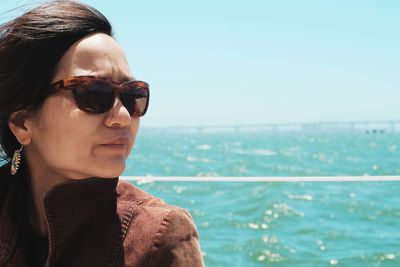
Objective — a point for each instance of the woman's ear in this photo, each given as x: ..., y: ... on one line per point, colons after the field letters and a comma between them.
x: 18, y: 125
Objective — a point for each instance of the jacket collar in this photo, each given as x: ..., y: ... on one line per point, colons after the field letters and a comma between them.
x: 68, y: 206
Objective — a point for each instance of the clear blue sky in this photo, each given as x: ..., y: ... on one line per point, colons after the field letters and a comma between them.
x: 243, y: 62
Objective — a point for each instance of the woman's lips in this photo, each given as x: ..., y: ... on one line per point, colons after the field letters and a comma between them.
x: 115, y: 146
x: 118, y: 143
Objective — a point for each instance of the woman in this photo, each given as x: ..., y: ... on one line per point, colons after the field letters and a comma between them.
x: 69, y: 114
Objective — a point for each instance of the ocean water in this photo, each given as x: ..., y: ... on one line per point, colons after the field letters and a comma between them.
x: 280, y: 223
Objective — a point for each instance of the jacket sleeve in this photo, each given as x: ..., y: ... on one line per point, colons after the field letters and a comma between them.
x: 176, y: 242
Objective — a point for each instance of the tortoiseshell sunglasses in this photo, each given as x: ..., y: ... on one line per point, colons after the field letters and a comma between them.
x: 97, y: 94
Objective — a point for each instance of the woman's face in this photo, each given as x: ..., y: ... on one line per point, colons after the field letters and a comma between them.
x: 69, y: 143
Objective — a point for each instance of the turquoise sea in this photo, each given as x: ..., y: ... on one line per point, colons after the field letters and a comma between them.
x: 280, y: 223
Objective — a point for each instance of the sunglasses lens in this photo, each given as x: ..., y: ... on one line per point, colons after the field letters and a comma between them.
x: 135, y: 99
x: 94, y: 97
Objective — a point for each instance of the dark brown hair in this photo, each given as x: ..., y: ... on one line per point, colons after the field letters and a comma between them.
x: 30, y: 47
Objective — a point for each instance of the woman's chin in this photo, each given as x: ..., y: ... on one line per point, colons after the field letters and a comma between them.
x: 109, y: 171
x: 111, y: 174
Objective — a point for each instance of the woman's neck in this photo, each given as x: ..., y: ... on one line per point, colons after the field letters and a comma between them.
x: 39, y: 182
x: 37, y: 215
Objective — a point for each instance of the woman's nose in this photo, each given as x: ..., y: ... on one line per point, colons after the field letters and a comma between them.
x: 118, y: 115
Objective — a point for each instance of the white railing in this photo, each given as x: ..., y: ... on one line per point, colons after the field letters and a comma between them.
x: 263, y: 179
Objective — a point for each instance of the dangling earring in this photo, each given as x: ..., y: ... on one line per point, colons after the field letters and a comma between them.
x: 16, y: 160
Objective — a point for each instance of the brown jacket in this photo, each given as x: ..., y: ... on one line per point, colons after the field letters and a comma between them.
x: 98, y: 222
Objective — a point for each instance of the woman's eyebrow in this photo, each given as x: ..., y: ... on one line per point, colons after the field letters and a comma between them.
x: 121, y: 80
x: 125, y: 79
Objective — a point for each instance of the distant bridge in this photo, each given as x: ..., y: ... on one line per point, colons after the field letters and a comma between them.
x: 369, y: 126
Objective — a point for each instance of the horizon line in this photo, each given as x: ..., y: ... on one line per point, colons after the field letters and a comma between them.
x: 279, y: 124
